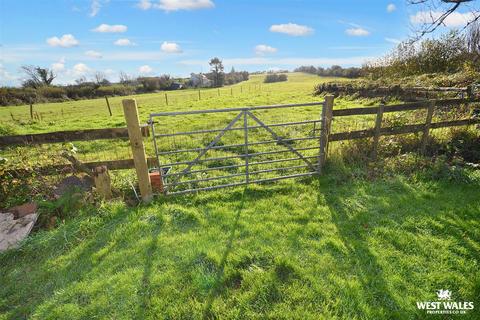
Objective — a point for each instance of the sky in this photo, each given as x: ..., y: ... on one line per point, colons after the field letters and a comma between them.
x: 76, y: 38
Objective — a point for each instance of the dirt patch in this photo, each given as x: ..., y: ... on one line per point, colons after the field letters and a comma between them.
x: 79, y: 183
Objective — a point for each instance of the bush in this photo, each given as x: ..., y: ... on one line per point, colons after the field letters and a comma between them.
x: 15, y: 96
x: 274, y: 77
x: 151, y: 84
x: 52, y: 92
x: 448, y: 54
x: 333, y: 71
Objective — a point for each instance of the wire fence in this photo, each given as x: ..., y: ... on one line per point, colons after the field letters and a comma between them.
x: 107, y: 107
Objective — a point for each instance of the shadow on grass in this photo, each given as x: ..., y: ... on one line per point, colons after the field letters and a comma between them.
x: 357, y: 210
x: 228, y: 248
x: 23, y: 299
x: 145, y: 291
x: 374, y: 284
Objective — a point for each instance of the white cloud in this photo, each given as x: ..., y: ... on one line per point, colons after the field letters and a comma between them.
x: 170, y: 47
x: 59, y: 66
x: 116, y: 28
x: 393, y: 40
x: 144, y: 4
x: 175, y: 5
x: 145, y: 69
x: 292, y: 29
x: 4, y: 74
x: 81, y: 69
x: 66, y: 41
x: 455, y: 19
x: 95, y: 7
x: 93, y: 54
x: 109, y: 72
x: 357, y: 32
x: 123, y: 42
x: 262, y: 49
x: 391, y: 7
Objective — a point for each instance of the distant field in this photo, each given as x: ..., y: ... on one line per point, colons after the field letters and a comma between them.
x: 84, y: 114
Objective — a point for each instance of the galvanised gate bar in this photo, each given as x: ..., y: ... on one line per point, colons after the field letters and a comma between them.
x: 237, y: 146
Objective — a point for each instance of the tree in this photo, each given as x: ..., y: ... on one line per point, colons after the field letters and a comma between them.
x: 81, y: 80
x: 473, y: 39
x: 216, y: 66
x: 100, y: 79
x: 436, y: 13
x: 125, y: 79
x: 38, y: 76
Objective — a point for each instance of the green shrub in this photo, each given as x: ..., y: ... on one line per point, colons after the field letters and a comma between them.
x: 52, y: 92
x: 274, y: 77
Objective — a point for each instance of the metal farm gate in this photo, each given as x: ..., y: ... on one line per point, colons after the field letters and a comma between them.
x: 236, y: 146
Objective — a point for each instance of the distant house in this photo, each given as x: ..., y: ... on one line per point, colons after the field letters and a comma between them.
x: 176, y: 86
x: 200, y: 80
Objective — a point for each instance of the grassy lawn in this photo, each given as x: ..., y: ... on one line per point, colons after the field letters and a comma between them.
x: 327, y: 248
x: 347, y: 245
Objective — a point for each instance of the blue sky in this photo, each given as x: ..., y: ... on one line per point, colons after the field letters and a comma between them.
x: 142, y: 37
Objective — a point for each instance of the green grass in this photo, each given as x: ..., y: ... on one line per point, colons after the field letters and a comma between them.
x: 85, y: 114
x: 342, y: 246
x: 311, y: 249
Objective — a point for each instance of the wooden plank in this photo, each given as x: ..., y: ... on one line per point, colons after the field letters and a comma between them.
x: 374, y: 110
x: 123, y: 164
x: 454, y: 123
x: 108, y: 106
x: 102, y: 180
x: 326, y: 122
x: 138, y: 150
x: 67, y: 136
x: 389, y: 131
x: 426, y: 130
x: 399, y: 107
x: 352, y: 135
x: 378, y: 128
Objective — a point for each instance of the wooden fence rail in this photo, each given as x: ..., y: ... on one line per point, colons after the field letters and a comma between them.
x: 390, y: 131
x: 67, y: 136
x: 54, y: 169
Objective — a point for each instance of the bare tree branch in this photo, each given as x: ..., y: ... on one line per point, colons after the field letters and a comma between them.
x: 445, y: 8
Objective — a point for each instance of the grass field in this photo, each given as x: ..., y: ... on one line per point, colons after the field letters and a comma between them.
x: 347, y: 245
x: 84, y: 114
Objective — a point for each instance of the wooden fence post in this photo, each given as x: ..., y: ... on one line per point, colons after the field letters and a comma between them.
x: 469, y: 92
x: 426, y: 130
x: 326, y: 123
x: 166, y: 99
x: 102, y: 181
x: 199, y: 96
x: 108, y: 106
x: 378, y: 128
x: 31, y: 111
x: 138, y: 150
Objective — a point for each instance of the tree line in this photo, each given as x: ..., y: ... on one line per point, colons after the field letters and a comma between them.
x: 38, y: 87
x: 333, y: 71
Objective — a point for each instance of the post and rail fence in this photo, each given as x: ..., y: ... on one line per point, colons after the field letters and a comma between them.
x: 178, y: 172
